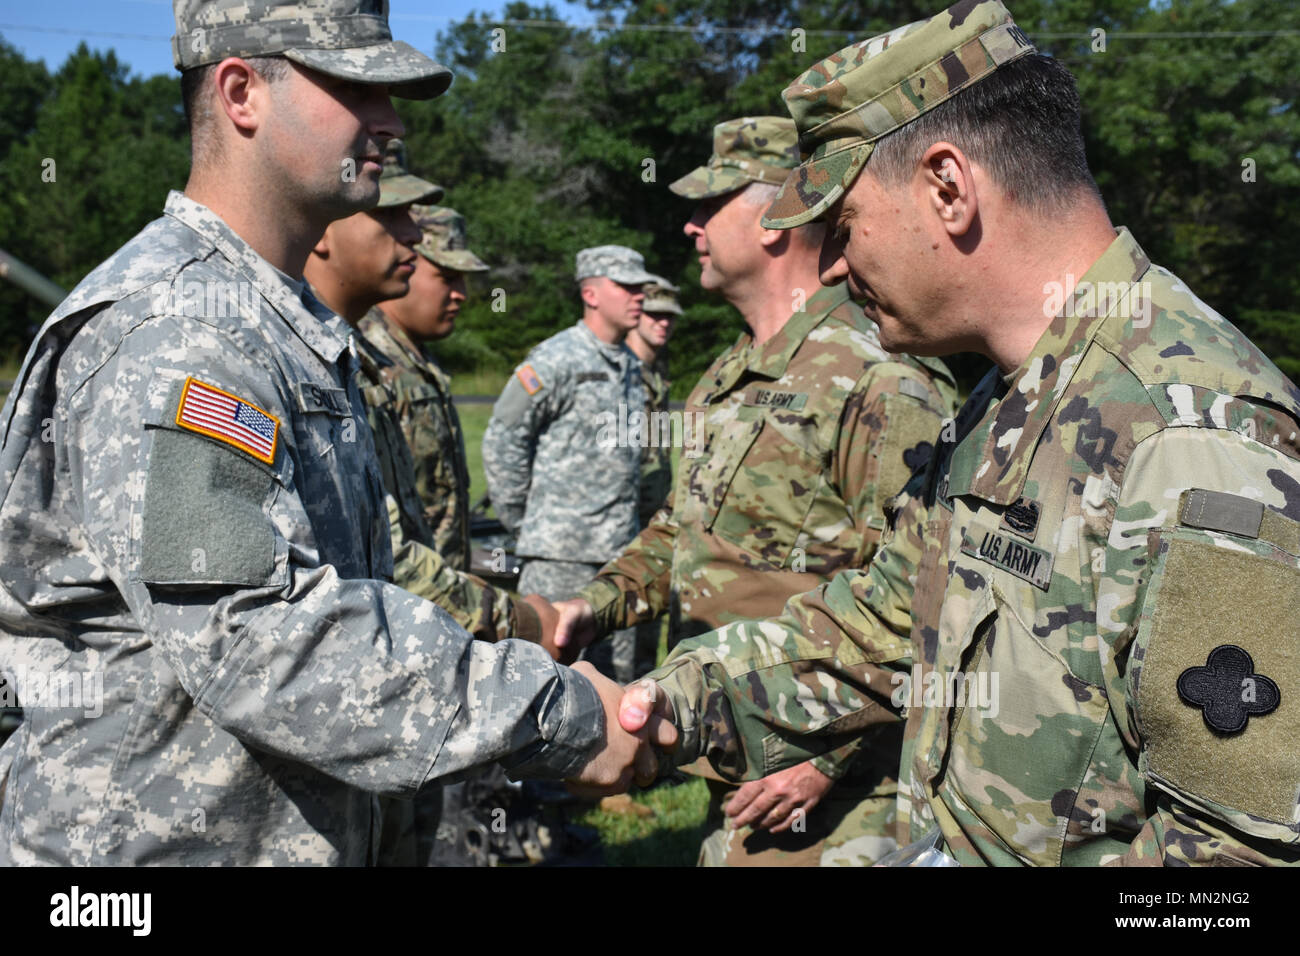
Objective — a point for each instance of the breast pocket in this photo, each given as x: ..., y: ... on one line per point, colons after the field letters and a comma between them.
x: 1023, y: 732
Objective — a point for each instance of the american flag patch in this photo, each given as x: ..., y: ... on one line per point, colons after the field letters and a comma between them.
x: 529, y: 379
x: 210, y: 411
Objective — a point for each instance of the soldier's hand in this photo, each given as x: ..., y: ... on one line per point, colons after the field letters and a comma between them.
x: 770, y: 803
x: 549, y: 617
x: 575, y: 630
x: 625, y: 755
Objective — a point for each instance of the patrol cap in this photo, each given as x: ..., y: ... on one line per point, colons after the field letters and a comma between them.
x: 348, y: 39
x: 397, y: 187
x: 752, y: 149
x: 443, y: 239
x: 849, y: 100
x: 619, y: 263
x: 661, y: 296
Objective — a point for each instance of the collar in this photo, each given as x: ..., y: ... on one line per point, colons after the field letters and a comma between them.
x: 616, y: 354
x: 290, y: 297
x: 992, y: 461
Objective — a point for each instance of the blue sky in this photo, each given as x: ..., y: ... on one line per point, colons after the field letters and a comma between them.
x: 51, y: 29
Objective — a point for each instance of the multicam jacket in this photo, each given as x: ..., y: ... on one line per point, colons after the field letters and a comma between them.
x: 488, y: 613
x: 792, y: 449
x: 249, y: 680
x: 657, y: 459
x: 427, y: 414
x: 1097, y: 575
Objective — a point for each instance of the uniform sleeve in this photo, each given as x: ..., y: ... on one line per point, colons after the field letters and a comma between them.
x: 527, y: 404
x: 1203, y: 582
x: 218, y: 558
x: 636, y: 586
x: 488, y: 613
x: 887, y: 431
x: 755, y: 697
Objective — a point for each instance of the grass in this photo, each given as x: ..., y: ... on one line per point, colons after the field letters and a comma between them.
x: 671, y: 837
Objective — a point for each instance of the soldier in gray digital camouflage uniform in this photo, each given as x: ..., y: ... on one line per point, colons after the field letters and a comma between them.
x: 193, y: 525
x: 562, y: 474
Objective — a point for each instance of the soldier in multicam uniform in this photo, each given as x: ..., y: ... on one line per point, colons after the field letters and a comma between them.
x: 360, y: 261
x: 422, y: 390
x: 560, y: 473
x: 186, y: 521
x: 1089, y: 577
x: 659, y: 313
x: 809, y: 428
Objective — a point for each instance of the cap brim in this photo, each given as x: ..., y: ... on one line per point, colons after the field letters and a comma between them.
x: 461, y: 260
x: 407, y: 72
x: 705, y: 182
x: 405, y: 189
x: 814, y: 186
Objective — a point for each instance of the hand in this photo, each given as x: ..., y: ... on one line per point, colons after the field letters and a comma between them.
x: 769, y: 804
x: 549, y: 618
x: 575, y: 630
x: 644, y: 701
x: 624, y: 755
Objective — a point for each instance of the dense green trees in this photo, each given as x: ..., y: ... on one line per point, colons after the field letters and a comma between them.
x: 554, y: 138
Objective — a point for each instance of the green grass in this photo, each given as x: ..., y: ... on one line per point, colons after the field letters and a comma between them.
x: 671, y: 837
x: 473, y: 422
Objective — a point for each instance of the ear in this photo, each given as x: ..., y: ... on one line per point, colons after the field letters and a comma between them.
x: 588, y: 292
x: 322, y: 247
x: 945, y: 175
x: 241, y: 93
x: 771, y: 237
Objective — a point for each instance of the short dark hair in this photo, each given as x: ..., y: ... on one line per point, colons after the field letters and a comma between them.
x: 1022, y: 124
x: 198, y: 112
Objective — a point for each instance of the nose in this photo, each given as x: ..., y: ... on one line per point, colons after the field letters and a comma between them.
x: 384, y: 123
x: 695, y: 225
x: 406, y: 231
x: 458, y: 289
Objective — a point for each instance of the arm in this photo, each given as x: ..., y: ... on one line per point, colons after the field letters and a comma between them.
x: 488, y: 613
x: 636, y: 586
x: 510, y: 442
x: 355, y: 677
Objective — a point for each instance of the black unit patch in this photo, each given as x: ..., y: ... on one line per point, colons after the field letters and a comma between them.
x: 1022, y: 518
x: 1228, y: 690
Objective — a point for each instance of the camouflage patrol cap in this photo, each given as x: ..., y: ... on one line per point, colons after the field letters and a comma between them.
x: 348, y: 39
x: 443, y: 239
x: 752, y: 149
x: 865, y: 91
x: 397, y: 187
x: 661, y: 296
x: 619, y: 263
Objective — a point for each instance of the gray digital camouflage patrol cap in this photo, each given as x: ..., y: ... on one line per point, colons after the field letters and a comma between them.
x: 752, y: 149
x: 849, y: 100
x: 348, y: 39
x: 443, y: 239
x: 397, y: 187
x: 661, y: 297
x: 619, y: 263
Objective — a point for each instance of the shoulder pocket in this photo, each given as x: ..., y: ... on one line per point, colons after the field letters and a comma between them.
x: 205, y: 515
x: 1214, y: 673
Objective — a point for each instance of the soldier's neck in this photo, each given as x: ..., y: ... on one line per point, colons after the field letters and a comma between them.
x: 642, y: 349
x: 282, y: 235
x: 769, y: 299
x: 606, y: 331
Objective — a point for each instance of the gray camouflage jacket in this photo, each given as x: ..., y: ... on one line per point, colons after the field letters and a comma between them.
x: 211, y: 666
x: 561, y: 470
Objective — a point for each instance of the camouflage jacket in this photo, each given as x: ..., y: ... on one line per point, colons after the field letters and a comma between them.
x: 425, y: 410
x: 1069, y: 572
x: 212, y: 601
x: 561, y: 463
x: 657, y: 459
x: 488, y: 613
x: 794, y: 448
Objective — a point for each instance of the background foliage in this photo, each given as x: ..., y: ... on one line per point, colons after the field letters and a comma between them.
x: 543, y: 145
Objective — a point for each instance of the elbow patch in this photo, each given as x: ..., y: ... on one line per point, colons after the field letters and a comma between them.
x: 205, y: 517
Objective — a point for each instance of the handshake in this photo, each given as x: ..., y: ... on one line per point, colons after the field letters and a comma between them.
x: 639, y: 720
